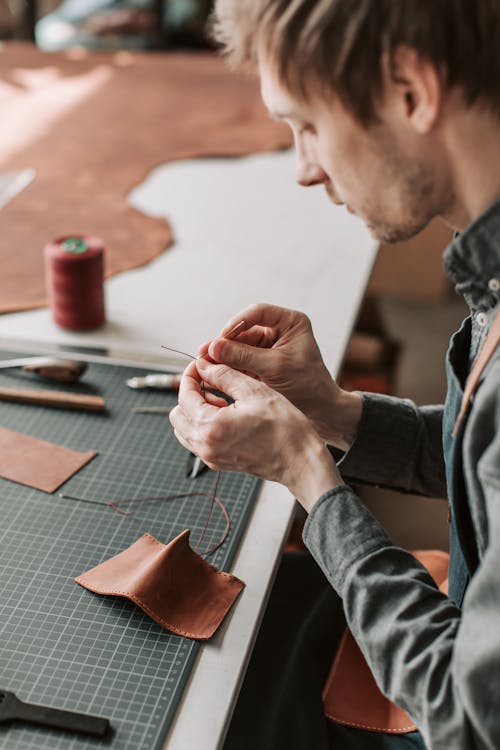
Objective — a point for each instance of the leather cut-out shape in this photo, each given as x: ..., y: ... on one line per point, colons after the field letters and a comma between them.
x: 38, y: 463
x: 351, y: 696
x: 171, y: 583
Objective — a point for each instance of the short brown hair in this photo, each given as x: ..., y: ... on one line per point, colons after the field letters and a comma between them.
x: 339, y: 44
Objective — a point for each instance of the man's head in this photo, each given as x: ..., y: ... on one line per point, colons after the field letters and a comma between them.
x: 364, y: 85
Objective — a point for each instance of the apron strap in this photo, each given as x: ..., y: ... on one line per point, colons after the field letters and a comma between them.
x: 487, y: 350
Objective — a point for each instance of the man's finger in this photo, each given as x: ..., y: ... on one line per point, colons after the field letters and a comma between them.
x: 241, y: 356
x: 260, y: 314
x: 185, y: 443
x: 257, y: 336
x: 224, y: 379
x: 191, y: 391
x: 182, y: 427
x: 214, y: 399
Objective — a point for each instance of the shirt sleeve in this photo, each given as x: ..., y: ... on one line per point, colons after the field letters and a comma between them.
x: 439, y: 663
x: 398, y: 446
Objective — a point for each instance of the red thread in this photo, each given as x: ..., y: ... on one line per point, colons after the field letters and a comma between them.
x: 74, y: 273
x: 210, y: 512
x: 117, y: 505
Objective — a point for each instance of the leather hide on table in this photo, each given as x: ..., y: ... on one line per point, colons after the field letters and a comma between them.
x: 93, y: 125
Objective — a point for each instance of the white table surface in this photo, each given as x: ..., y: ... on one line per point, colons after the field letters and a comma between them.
x: 244, y: 233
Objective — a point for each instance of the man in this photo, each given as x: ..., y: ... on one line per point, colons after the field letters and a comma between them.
x: 395, y: 109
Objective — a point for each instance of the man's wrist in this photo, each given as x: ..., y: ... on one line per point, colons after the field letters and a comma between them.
x: 313, y: 473
x: 339, y: 422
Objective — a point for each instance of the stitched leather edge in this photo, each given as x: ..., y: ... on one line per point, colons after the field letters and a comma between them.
x: 145, y: 608
x: 401, y: 730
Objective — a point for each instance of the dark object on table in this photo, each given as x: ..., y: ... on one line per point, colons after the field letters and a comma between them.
x: 13, y: 709
x: 59, y: 370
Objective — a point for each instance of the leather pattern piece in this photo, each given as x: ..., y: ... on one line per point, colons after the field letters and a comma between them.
x: 351, y: 696
x: 38, y: 463
x: 93, y: 125
x: 171, y: 583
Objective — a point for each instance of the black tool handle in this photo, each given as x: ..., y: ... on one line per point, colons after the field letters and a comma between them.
x: 54, y: 718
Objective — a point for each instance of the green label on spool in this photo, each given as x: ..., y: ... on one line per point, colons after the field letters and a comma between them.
x: 74, y: 245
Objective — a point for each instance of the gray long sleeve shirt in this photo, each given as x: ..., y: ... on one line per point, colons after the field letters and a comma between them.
x: 438, y: 662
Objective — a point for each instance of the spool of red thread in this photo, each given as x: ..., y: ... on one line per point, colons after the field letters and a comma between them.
x: 74, y: 272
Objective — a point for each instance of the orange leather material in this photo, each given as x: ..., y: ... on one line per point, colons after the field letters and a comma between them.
x: 176, y: 587
x: 38, y: 463
x: 351, y: 696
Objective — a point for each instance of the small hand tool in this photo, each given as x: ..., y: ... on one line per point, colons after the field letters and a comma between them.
x: 13, y: 709
x: 156, y: 380
x: 60, y: 399
x: 60, y: 370
x: 194, y: 466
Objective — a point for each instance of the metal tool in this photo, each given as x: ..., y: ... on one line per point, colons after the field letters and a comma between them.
x: 157, y: 380
x: 13, y: 709
x: 151, y: 409
x: 60, y: 370
x: 195, y: 466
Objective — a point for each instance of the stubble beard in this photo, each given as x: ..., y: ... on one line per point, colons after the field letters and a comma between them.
x: 421, y: 196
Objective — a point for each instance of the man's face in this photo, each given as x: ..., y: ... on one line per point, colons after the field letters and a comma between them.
x: 386, y: 174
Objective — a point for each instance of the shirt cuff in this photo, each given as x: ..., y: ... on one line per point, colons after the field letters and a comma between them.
x: 385, y: 440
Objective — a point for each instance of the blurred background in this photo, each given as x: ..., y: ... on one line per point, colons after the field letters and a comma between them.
x: 106, y: 24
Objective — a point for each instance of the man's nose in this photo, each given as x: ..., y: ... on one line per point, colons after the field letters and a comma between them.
x: 309, y: 173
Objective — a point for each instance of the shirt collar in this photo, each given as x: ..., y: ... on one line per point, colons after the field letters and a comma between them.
x: 472, y: 260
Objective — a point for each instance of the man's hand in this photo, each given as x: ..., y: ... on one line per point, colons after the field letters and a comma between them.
x: 277, y: 346
x: 261, y: 433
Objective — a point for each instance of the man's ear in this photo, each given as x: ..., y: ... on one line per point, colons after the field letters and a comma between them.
x: 414, y: 86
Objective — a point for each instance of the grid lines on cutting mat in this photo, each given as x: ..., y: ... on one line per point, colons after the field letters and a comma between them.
x: 61, y: 645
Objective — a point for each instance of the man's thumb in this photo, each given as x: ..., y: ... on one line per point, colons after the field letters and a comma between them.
x: 239, y: 356
x: 222, y: 378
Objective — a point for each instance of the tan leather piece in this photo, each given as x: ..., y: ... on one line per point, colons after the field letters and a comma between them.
x: 93, y: 125
x: 171, y: 583
x: 351, y: 696
x: 38, y: 463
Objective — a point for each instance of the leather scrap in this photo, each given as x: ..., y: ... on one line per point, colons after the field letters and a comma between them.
x: 38, y: 463
x: 171, y: 583
x: 351, y: 696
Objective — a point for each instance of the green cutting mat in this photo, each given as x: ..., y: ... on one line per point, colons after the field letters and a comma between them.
x: 61, y: 645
